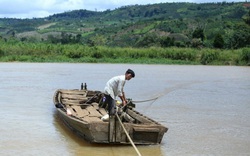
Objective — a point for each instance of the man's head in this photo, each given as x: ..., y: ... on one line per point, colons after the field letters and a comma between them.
x: 129, y: 74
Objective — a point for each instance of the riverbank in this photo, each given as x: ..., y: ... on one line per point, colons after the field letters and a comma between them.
x: 42, y: 52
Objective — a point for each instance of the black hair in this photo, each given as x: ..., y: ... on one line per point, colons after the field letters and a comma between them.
x: 129, y: 71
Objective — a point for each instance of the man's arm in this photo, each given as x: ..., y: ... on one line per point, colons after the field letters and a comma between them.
x: 123, y: 98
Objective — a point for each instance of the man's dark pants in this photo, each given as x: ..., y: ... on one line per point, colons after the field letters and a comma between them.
x: 111, y: 104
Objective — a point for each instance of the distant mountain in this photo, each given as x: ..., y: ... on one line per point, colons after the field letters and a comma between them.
x: 164, y: 24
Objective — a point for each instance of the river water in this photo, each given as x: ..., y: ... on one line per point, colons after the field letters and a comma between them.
x: 206, y: 108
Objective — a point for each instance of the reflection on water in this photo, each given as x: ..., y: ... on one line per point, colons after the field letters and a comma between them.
x: 206, y: 108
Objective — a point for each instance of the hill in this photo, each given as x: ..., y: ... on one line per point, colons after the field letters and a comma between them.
x: 219, y: 25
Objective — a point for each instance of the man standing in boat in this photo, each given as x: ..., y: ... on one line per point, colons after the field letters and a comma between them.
x: 114, y: 87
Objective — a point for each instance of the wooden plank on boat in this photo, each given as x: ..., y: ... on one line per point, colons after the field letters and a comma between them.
x: 74, y: 92
x: 93, y: 112
x: 91, y: 93
x: 67, y: 101
x: 102, y: 111
x: 112, y: 129
x: 95, y: 105
x: 138, y: 117
x: 118, y: 131
x: 91, y: 119
x: 146, y: 129
x: 79, y: 111
x: 76, y: 97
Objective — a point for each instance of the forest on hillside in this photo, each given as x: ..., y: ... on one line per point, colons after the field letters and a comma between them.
x: 212, y: 25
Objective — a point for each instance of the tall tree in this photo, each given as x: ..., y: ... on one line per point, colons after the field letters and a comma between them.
x: 199, y: 33
x: 218, y: 41
x: 240, y: 37
x: 247, y: 19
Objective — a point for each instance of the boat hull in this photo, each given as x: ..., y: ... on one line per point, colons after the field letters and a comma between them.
x: 91, y: 132
x: 86, y: 122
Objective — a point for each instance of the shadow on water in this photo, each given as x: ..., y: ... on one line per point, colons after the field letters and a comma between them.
x: 78, y: 146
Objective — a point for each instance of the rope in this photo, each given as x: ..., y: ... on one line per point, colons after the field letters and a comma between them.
x: 166, y: 92
x: 152, y: 99
x: 131, y: 141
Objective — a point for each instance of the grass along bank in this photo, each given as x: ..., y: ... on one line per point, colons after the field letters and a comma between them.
x: 42, y: 52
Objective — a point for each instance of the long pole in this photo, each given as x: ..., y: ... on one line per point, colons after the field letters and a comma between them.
x: 131, y: 141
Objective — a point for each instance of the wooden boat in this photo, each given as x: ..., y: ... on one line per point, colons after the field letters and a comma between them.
x: 83, y: 111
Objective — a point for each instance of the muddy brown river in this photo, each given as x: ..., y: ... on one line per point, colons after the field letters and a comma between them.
x: 206, y: 108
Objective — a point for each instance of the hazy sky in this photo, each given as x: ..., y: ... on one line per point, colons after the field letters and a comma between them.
x: 44, y: 8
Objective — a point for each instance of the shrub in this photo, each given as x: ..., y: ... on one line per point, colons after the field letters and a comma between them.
x: 97, y: 55
x: 245, y: 55
x: 74, y: 54
x: 218, y: 41
x: 1, y: 53
x: 208, y: 57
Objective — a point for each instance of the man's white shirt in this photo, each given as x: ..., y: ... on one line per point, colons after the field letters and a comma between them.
x: 114, y: 87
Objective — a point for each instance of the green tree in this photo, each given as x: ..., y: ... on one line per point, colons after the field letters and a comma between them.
x: 97, y: 40
x: 196, y: 43
x: 66, y: 38
x: 13, y: 34
x: 247, y: 19
x: 167, y: 41
x: 240, y: 37
x: 78, y: 38
x: 199, y: 33
x: 218, y: 41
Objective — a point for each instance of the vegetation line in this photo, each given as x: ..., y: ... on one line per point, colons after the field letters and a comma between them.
x: 45, y: 52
